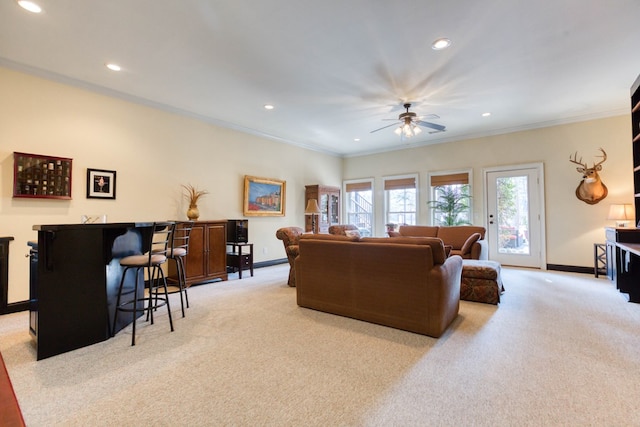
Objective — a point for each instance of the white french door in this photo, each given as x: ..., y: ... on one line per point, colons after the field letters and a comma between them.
x: 515, y: 215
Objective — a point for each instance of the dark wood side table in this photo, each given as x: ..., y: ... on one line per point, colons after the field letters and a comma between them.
x: 599, y: 259
x: 236, y: 259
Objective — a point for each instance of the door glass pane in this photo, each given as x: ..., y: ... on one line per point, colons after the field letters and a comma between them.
x: 512, y: 215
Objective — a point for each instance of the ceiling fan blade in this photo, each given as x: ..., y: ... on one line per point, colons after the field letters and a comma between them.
x: 431, y: 125
x: 429, y: 116
x: 384, y: 127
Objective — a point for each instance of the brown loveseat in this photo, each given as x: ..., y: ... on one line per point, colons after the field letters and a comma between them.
x: 465, y: 240
x: 407, y: 284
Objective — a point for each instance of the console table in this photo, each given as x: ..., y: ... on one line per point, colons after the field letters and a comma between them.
x: 76, y: 285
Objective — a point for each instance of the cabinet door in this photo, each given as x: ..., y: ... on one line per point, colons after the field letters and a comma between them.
x: 216, y: 249
x: 195, y: 266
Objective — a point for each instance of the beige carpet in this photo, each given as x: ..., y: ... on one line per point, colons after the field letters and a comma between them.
x: 561, y: 349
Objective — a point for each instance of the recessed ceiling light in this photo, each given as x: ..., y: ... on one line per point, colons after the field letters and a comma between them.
x: 441, y: 43
x: 30, y: 6
x: 486, y: 114
x: 114, y: 67
x: 356, y: 139
x: 269, y: 107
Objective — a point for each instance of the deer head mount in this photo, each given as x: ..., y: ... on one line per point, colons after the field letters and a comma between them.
x: 591, y: 189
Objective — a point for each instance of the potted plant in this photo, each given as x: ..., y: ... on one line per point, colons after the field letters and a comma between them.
x: 450, y: 203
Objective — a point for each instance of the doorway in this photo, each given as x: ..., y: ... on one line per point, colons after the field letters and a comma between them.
x: 515, y: 215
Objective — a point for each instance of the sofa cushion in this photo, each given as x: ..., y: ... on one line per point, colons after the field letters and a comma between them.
x: 466, y: 247
x: 341, y: 229
x: 458, y: 235
x: 437, y: 247
x: 419, y: 230
x: 352, y: 233
x: 334, y: 237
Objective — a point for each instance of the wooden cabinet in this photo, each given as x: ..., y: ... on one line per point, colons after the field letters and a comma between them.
x: 329, y: 202
x: 635, y: 128
x: 207, y: 257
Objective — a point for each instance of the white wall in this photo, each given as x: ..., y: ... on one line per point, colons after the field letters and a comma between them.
x: 572, y: 226
x: 153, y: 153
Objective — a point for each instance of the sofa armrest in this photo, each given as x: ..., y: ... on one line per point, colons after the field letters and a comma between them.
x: 447, y: 277
x: 480, y: 250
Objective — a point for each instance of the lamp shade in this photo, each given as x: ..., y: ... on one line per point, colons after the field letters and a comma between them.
x: 621, y: 212
x: 312, y: 207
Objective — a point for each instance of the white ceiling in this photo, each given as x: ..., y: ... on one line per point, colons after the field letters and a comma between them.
x: 334, y: 69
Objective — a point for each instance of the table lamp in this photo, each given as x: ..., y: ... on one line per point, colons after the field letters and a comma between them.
x: 312, y: 209
x: 621, y: 214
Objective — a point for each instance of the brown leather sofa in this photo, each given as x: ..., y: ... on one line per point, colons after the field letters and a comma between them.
x: 404, y: 283
x: 465, y: 240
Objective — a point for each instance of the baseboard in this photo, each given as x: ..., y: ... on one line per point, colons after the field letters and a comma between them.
x: 270, y: 263
x: 570, y: 268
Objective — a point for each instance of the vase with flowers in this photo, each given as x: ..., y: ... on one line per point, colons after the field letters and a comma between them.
x: 193, y: 195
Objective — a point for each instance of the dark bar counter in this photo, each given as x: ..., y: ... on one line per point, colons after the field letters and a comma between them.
x: 77, y: 277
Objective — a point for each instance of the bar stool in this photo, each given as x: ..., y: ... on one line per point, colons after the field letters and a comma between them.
x: 178, y: 250
x: 150, y: 261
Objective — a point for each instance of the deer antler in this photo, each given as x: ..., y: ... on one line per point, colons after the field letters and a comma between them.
x: 576, y: 161
x: 604, y: 158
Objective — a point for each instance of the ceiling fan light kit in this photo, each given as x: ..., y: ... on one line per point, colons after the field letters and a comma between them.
x: 409, y: 122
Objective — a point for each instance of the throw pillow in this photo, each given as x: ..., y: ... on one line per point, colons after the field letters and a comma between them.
x: 352, y: 233
x: 470, y: 241
x: 394, y: 234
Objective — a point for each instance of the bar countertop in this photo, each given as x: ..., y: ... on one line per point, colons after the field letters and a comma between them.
x: 57, y: 227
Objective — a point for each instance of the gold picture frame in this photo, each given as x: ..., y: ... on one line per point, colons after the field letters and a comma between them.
x: 264, y: 196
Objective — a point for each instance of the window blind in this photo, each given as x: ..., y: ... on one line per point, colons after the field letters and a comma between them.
x: 399, y: 184
x: 449, y: 179
x: 358, y: 186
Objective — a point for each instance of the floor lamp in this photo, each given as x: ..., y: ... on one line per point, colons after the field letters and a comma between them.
x: 312, y: 209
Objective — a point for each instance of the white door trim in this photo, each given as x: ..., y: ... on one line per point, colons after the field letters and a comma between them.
x: 540, y: 168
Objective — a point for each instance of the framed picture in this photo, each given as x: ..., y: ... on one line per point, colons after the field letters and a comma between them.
x: 264, y: 196
x: 40, y: 176
x: 101, y: 184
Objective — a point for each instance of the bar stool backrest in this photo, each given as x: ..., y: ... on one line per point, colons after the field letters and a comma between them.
x: 160, y: 239
x: 180, y: 238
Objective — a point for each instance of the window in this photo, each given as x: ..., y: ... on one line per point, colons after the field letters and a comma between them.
x: 450, y: 202
x: 401, y: 200
x: 359, y: 205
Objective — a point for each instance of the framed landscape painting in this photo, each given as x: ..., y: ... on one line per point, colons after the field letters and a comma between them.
x: 264, y: 196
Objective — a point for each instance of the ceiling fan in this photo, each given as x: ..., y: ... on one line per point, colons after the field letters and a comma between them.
x: 410, y: 124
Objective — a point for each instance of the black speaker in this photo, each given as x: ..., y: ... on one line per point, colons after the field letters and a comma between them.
x: 238, y: 230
